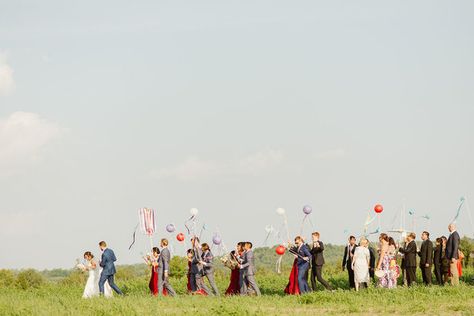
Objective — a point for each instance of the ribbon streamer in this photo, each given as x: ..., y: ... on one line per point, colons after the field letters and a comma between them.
x: 459, y: 210
x: 133, y: 237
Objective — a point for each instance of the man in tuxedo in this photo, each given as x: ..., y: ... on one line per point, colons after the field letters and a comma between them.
x: 164, y: 268
x: 317, y: 262
x: 303, y: 257
x: 426, y: 257
x: 197, y: 269
x: 409, y: 252
x: 208, y: 265
x: 452, y: 253
x: 247, y: 271
x: 347, y: 260
x: 108, y: 271
x: 371, y: 262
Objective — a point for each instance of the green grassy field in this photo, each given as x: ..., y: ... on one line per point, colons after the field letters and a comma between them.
x: 64, y: 298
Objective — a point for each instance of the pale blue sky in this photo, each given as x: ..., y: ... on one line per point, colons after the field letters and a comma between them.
x: 233, y: 107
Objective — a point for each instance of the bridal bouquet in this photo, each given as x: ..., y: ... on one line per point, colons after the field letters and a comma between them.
x: 80, y: 265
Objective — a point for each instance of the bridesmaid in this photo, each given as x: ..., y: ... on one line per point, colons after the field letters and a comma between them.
x: 292, y: 288
x: 189, y: 255
x: 232, y: 263
x: 152, y: 261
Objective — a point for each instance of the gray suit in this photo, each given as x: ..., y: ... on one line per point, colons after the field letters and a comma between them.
x: 247, y: 273
x: 164, y: 266
x: 208, y: 268
x: 197, y: 272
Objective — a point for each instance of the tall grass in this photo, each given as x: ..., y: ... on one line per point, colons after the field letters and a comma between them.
x: 64, y: 298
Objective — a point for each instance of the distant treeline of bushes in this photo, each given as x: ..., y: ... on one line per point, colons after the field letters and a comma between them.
x: 265, y: 257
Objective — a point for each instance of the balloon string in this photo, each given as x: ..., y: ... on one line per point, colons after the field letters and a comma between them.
x: 278, y: 264
x: 266, y: 238
x: 470, y: 216
x: 302, y: 225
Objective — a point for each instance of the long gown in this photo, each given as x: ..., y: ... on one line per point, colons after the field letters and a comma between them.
x: 292, y: 287
x: 92, y: 285
x: 234, y: 285
x: 190, y: 289
x: 361, y: 266
x: 390, y: 269
x: 153, y: 284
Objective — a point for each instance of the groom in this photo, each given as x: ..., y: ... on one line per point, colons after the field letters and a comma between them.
x: 107, y: 263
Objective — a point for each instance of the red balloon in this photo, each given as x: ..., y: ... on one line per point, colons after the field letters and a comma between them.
x: 180, y: 237
x: 280, y: 250
x: 378, y: 208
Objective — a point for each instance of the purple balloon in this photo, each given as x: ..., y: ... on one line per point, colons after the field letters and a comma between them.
x: 307, y: 209
x: 216, y: 240
x: 170, y: 228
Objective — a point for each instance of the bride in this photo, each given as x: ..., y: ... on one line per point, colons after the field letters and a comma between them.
x: 92, y: 284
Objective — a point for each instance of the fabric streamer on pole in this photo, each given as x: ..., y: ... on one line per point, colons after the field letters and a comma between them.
x: 147, y: 222
x: 462, y: 200
x: 133, y: 237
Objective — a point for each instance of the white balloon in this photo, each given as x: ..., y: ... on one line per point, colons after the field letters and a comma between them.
x: 269, y: 228
x: 194, y: 211
x: 280, y: 211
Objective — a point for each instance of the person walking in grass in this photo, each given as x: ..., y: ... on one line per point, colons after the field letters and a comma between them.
x: 361, y: 264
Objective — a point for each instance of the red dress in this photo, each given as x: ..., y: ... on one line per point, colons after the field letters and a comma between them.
x: 190, y: 289
x: 153, y: 285
x: 234, y: 285
x: 292, y: 287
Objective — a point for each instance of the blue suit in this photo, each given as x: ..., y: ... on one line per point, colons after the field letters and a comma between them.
x: 108, y: 271
x: 303, y: 267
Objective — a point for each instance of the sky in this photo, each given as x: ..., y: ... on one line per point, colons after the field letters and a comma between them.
x: 235, y: 108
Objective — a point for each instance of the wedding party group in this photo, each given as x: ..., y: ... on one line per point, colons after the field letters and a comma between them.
x: 444, y: 259
x: 363, y: 264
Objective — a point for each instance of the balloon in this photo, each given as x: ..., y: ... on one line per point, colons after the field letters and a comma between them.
x: 194, y: 211
x: 269, y: 228
x: 280, y: 211
x: 378, y: 208
x: 170, y: 228
x: 180, y: 237
x: 280, y: 250
x: 216, y: 240
x: 307, y: 209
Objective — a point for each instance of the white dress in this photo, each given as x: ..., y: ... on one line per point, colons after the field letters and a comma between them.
x: 361, y: 266
x: 92, y: 284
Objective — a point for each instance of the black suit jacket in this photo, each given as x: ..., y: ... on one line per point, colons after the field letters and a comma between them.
x: 452, y: 246
x: 347, y: 260
x: 426, y: 253
x: 317, y: 257
x: 410, y: 254
x: 372, y: 258
x: 438, y: 257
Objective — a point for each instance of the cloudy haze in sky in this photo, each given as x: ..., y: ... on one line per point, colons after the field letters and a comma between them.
x: 235, y: 108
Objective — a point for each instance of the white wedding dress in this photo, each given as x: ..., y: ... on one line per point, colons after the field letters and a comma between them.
x: 92, y: 284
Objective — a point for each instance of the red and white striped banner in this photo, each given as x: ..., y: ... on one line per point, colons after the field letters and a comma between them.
x: 147, y: 220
